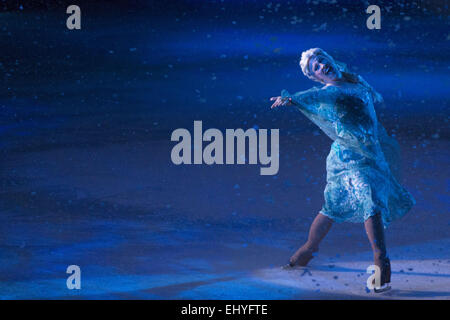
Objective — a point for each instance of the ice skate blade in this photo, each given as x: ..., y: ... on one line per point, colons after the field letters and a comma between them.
x: 289, y: 267
x: 383, y: 288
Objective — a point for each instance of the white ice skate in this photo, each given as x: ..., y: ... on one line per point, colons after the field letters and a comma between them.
x: 385, y: 287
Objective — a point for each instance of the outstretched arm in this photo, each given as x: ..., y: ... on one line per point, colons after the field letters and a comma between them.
x: 306, y: 101
x: 286, y: 99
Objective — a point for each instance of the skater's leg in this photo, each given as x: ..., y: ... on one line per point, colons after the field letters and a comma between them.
x: 375, y: 233
x: 318, y: 230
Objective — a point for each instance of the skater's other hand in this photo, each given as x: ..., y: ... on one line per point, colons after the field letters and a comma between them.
x: 279, y: 101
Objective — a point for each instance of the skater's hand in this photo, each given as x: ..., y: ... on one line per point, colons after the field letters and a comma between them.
x: 279, y: 101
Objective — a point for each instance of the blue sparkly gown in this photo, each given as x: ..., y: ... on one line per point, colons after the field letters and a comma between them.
x: 362, y: 166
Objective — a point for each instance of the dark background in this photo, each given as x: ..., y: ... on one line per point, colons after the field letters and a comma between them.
x: 86, y: 117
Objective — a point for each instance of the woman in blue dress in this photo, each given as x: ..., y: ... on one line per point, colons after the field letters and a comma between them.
x: 362, y: 165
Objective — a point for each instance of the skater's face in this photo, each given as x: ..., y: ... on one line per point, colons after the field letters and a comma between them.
x: 324, y: 69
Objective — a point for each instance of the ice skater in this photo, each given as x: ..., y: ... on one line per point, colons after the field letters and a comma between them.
x: 362, y: 178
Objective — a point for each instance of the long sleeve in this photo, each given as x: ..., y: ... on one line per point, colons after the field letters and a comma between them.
x: 309, y: 100
x: 318, y: 105
x: 391, y: 151
x: 376, y: 97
